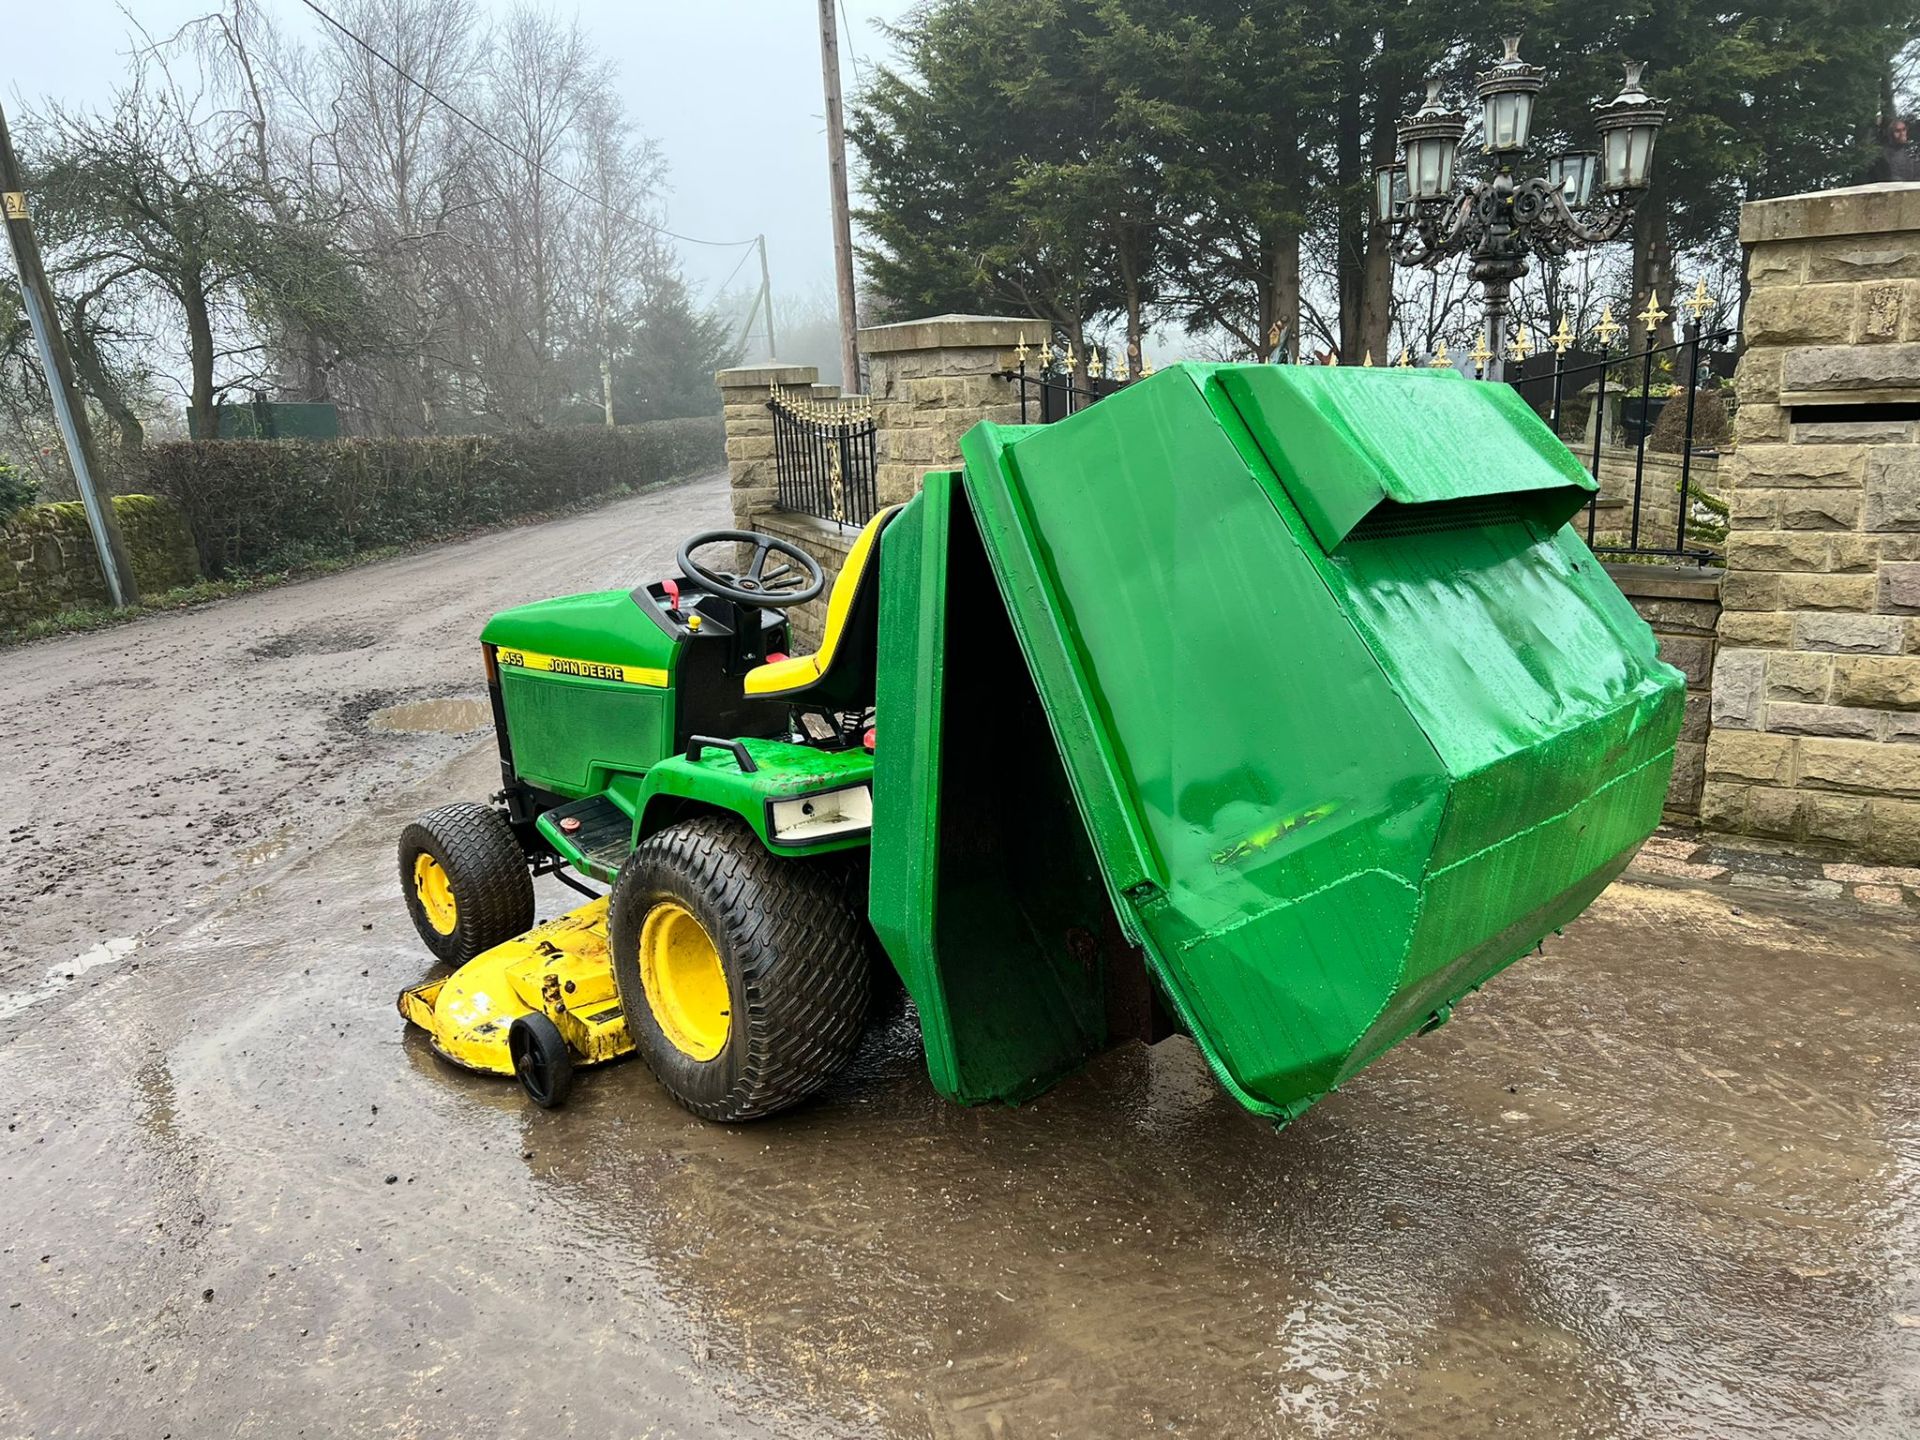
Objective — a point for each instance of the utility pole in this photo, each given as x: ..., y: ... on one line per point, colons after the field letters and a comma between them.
x: 68, y: 410
x: 842, y: 222
x: 766, y: 293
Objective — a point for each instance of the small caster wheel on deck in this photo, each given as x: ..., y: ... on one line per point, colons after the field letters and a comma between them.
x: 541, y: 1060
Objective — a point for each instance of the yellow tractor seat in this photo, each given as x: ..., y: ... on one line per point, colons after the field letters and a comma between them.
x: 840, y: 674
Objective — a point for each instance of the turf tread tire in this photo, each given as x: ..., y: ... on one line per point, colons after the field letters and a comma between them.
x: 492, y: 884
x: 793, y: 949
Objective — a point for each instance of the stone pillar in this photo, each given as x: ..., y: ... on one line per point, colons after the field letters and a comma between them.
x: 1816, y: 688
x: 931, y: 381
x: 743, y: 400
x: 1682, y: 604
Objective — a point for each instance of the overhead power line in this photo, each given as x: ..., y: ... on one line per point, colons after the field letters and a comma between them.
x: 745, y: 255
x: 515, y: 150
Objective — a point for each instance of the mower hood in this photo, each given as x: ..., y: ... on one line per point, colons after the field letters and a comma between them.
x: 1351, y: 717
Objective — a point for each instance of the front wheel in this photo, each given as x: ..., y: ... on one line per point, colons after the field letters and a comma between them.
x: 743, y: 975
x: 466, y: 880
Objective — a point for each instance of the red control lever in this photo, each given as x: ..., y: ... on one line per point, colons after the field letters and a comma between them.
x: 672, y: 587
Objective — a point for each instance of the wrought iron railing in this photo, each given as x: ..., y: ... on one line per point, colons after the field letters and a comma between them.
x: 825, y: 456
x: 1053, y: 384
x: 1697, y: 363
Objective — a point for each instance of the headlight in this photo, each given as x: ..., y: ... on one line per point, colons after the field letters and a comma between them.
x: 821, y: 816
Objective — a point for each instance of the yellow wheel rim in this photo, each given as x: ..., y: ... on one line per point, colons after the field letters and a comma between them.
x: 430, y: 883
x: 686, y: 987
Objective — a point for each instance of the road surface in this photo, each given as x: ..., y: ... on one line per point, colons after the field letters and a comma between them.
x: 1657, y: 1182
x: 150, y: 766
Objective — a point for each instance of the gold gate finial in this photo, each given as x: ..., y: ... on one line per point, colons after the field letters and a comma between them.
x: 1699, y: 302
x: 1608, y: 327
x: 1653, y: 314
x: 1441, y: 359
x: 1522, y: 345
x: 1564, y: 337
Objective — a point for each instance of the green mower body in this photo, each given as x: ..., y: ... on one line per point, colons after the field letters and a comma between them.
x: 598, y: 700
x: 1279, y: 706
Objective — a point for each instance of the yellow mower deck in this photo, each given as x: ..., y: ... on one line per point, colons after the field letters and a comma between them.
x: 561, y: 968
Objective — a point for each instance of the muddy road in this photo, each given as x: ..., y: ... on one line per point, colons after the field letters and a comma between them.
x: 1662, y: 1181
x: 148, y: 767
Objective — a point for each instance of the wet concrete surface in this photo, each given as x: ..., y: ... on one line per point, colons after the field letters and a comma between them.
x: 1657, y: 1182
x: 150, y: 766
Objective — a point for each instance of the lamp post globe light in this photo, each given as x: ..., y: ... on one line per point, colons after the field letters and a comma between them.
x: 1500, y: 221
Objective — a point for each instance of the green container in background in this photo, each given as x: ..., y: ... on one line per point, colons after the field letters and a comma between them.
x: 1288, y: 689
x: 271, y: 420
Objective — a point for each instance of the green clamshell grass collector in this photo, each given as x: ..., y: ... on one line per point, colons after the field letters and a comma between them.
x: 1277, y: 706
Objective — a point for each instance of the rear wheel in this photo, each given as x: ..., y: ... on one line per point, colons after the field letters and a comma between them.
x: 744, y: 975
x: 466, y: 881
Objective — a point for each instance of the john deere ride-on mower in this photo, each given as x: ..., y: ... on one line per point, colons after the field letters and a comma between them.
x: 1276, y: 706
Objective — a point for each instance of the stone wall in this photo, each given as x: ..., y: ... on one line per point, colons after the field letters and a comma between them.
x: 1816, y: 688
x: 745, y: 393
x: 1682, y: 604
x: 929, y: 381
x: 47, y: 563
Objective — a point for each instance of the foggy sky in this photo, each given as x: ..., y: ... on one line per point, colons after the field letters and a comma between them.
x: 730, y: 89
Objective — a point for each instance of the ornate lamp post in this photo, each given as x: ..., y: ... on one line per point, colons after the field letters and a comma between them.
x: 1503, y: 220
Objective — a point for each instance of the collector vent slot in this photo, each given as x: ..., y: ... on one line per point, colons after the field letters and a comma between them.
x: 1390, y: 519
x: 1888, y: 410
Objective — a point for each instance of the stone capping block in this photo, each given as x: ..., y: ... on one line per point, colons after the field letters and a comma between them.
x: 1823, y: 369
x: 950, y: 332
x: 760, y: 377
x: 1667, y: 582
x: 1857, y: 210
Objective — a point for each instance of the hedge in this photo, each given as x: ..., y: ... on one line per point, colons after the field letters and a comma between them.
x: 261, y: 505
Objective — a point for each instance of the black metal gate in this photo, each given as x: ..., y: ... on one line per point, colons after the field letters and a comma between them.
x: 825, y: 457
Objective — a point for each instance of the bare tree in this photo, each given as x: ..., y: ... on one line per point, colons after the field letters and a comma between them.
x: 544, y: 81
x: 612, y: 253
x: 324, y: 225
x: 407, y: 164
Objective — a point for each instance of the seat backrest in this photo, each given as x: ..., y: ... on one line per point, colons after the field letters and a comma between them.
x: 839, y: 675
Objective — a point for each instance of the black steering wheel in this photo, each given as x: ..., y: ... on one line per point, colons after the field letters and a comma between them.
x: 772, y: 589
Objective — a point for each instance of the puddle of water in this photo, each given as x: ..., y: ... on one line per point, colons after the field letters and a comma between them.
x: 107, y: 952
x: 271, y: 848
x: 458, y: 716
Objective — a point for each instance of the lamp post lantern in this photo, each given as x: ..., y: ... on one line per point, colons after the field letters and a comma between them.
x: 1502, y: 220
